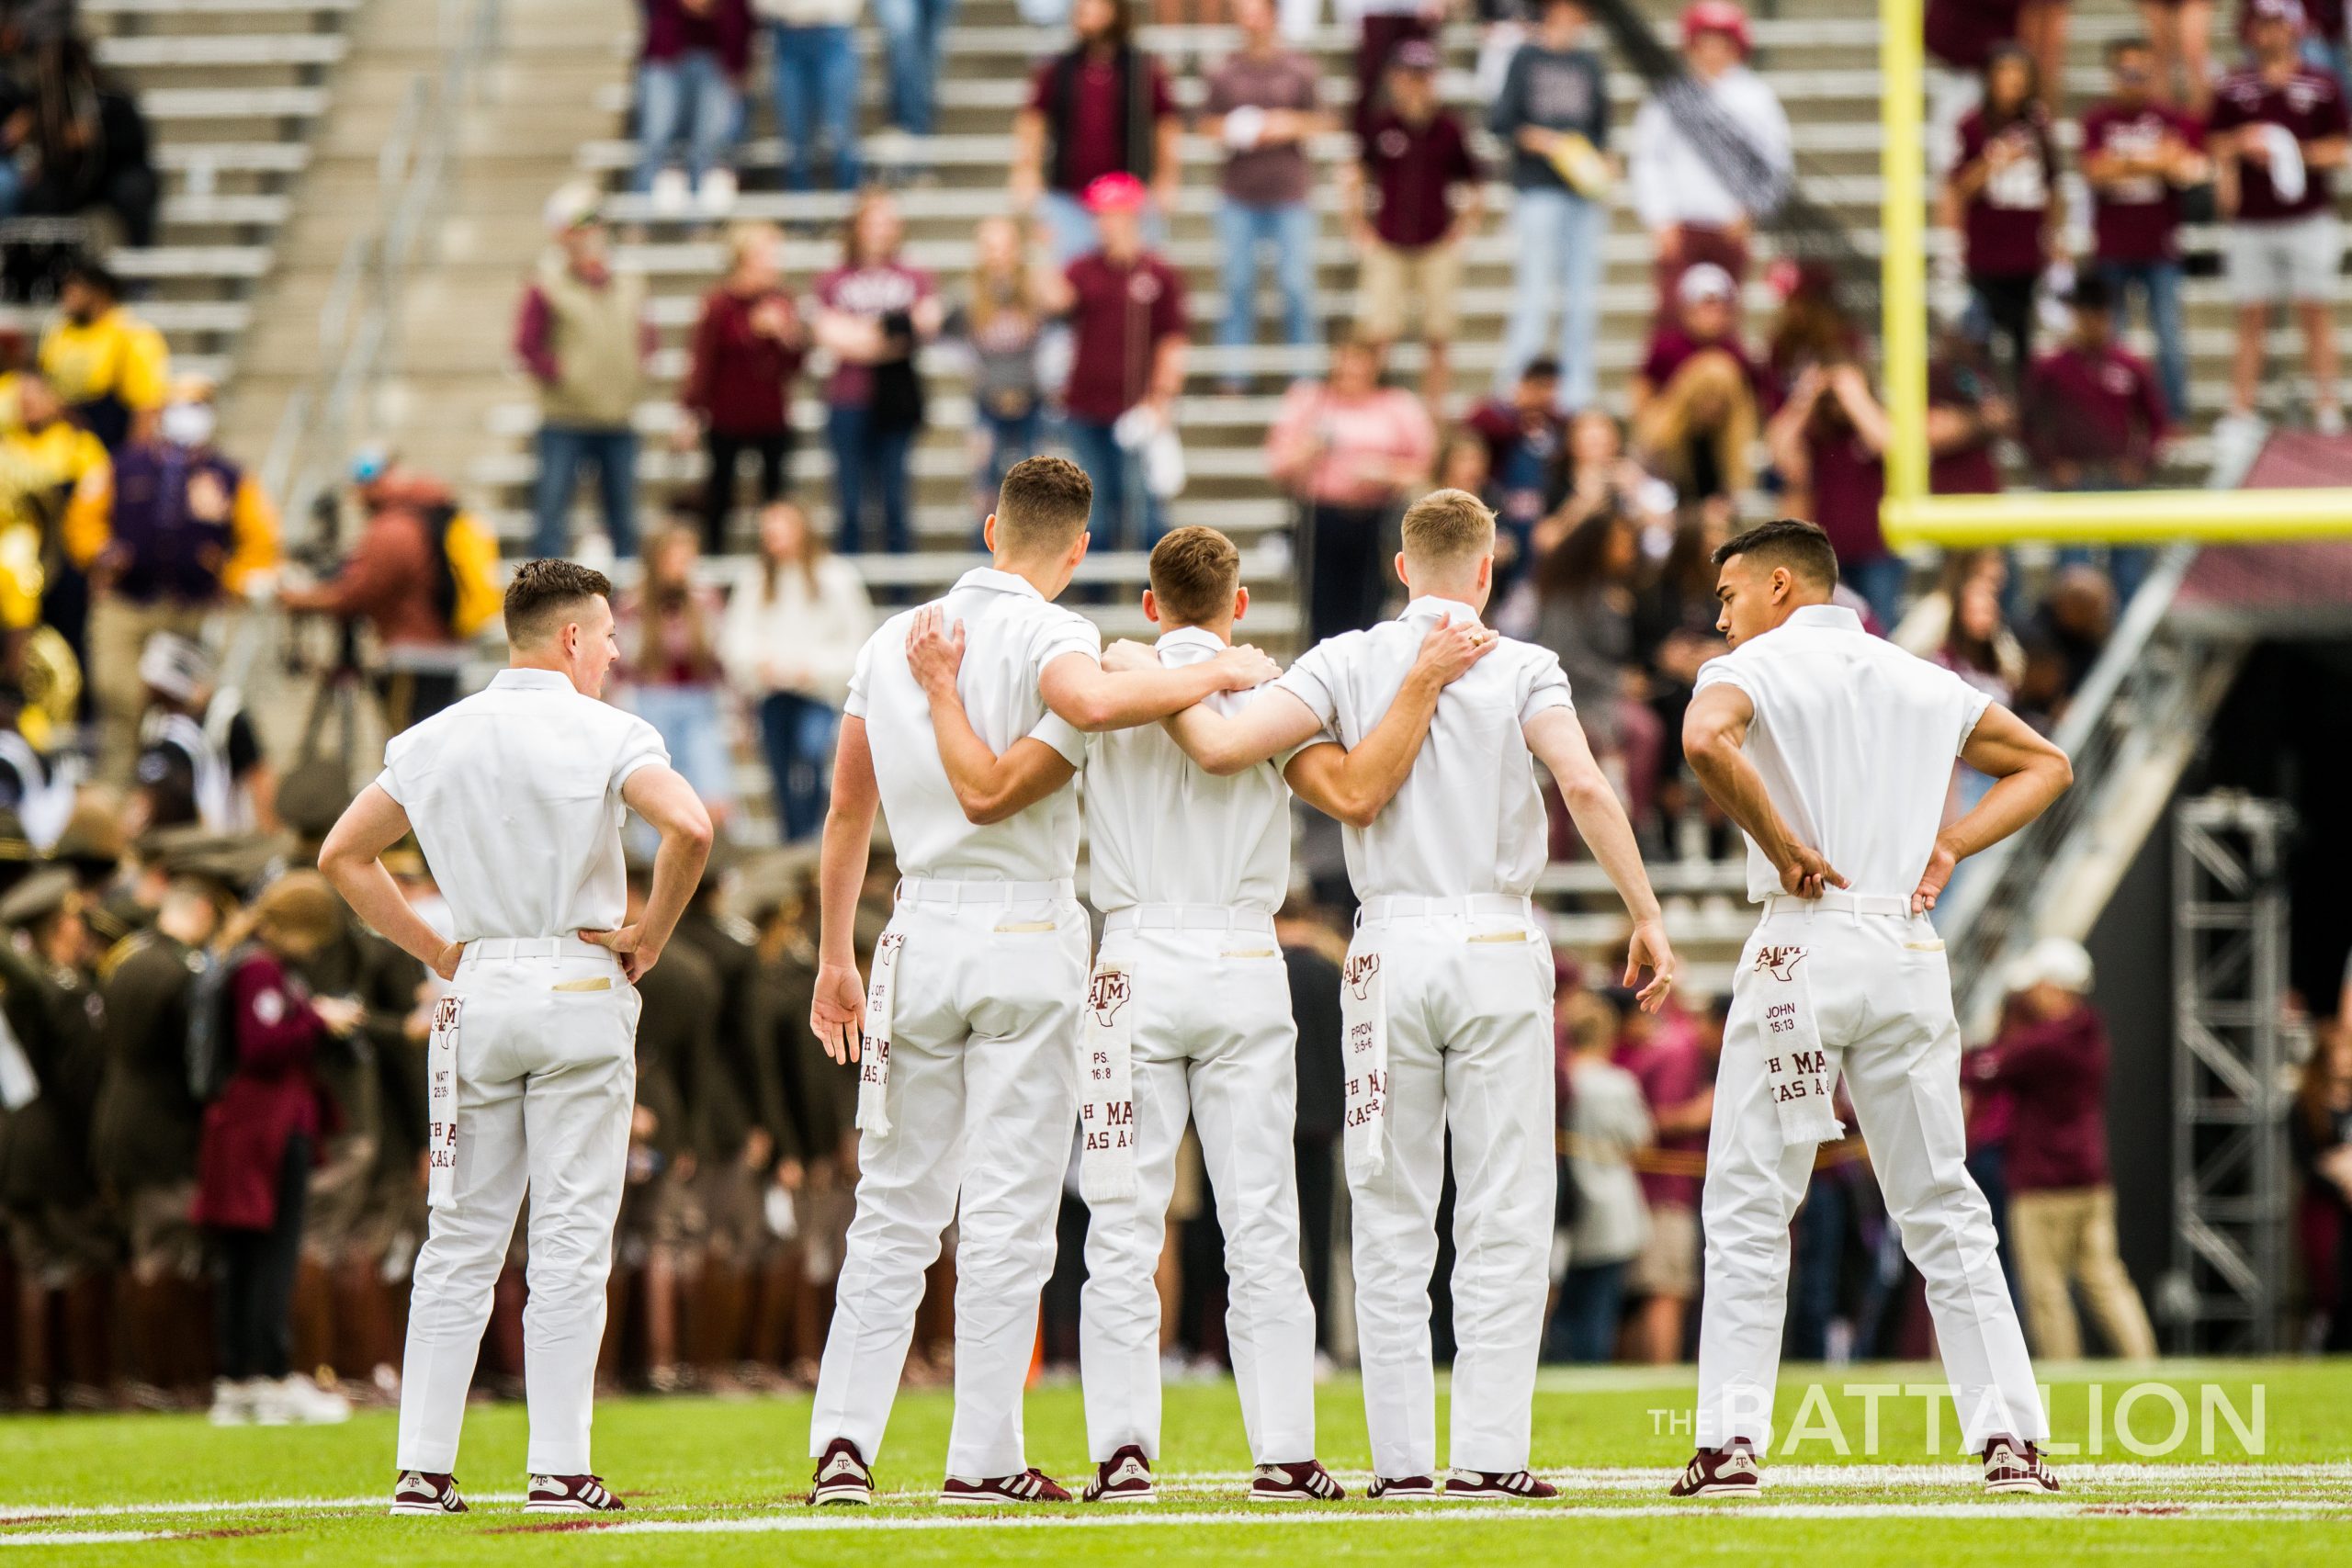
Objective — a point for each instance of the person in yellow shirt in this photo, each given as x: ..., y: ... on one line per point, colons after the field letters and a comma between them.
x: 111, y: 368
x: 179, y: 532
x: 45, y: 460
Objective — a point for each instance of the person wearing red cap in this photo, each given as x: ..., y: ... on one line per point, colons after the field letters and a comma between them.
x: 1677, y: 181
x: 1126, y: 311
x: 2279, y: 133
x: 1101, y: 107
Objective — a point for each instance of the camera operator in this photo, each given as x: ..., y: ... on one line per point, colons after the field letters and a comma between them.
x: 397, y: 578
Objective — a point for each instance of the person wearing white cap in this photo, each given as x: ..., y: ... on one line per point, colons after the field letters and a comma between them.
x: 516, y: 796
x: 1833, y: 751
x: 2051, y: 1060
x: 199, y: 757
x: 1447, y: 998
x: 1698, y: 395
x: 582, y: 335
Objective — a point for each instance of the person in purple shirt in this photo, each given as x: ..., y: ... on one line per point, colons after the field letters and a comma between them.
x: 2003, y: 195
x: 2053, y: 1059
x: 2277, y: 137
x: 2138, y: 152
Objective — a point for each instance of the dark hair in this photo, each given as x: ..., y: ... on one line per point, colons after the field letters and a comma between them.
x: 88, y: 269
x: 1194, y: 573
x: 1043, y: 501
x: 2091, y: 293
x: 541, y: 591
x: 1801, y: 548
x: 2006, y: 54
x: 1579, y: 563
x: 2118, y: 48
x: 1542, y: 367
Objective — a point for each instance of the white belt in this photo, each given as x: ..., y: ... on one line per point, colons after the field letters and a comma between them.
x: 1188, y: 918
x: 1460, y: 907
x: 512, y: 948
x: 948, y: 890
x: 1842, y: 903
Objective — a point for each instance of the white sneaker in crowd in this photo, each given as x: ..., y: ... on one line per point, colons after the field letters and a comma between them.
x: 2238, y: 441
x: 2328, y: 422
x: 295, y: 1399
x: 672, y: 195
x: 232, y: 1403
x: 716, y: 196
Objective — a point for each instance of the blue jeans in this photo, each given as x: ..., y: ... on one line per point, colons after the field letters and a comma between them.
x: 562, y: 448
x: 12, y: 187
x: 1556, y: 237
x: 1880, y: 582
x: 863, y: 455
x: 1126, y: 516
x: 688, y: 96
x: 797, y: 734
x: 2160, y: 281
x: 691, y: 722
x: 1290, y: 229
x: 914, y: 34
x: 1584, y: 1324
x: 816, y: 99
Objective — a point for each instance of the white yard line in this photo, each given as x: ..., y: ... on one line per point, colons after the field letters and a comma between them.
x: 17, y: 1513
x: 88, y: 1537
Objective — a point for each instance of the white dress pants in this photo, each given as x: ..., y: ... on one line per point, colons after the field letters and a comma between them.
x: 1213, y: 1043
x: 1469, y: 1007
x: 547, y: 1074
x: 1882, y: 1002
x: 983, y: 1104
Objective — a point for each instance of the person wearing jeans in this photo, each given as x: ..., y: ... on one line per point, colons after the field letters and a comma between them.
x: 582, y: 335
x: 1102, y: 107
x: 914, y: 32
x: 1553, y: 113
x: 2137, y: 154
x: 689, y: 86
x: 816, y: 86
x: 870, y: 312
x: 1262, y: 107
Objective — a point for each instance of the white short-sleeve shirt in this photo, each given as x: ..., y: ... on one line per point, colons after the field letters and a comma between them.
x: 1469, y: 818
x: 515, y: 797
x: 1161, y: 829
x: 1011, y: 634
x: 1854, y: 739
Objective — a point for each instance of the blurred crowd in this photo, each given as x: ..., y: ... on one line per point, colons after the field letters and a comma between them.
x: 73, y: 145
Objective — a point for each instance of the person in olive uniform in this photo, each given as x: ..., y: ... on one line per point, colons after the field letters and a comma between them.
x: 143, y: 1142
x: 773, y: 895
x: 660, y: 1223
x: 735, y: 1094
x: 57, y: 1228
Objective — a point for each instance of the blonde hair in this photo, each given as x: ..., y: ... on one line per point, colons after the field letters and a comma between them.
x: 1447, y: 530
x: 741, y: 237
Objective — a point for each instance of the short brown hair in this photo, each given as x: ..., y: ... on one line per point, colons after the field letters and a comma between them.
x: 541, y: 591
x: 1043, y: 505
x: 1194, y: 573
x: 1448, y: 528
x: 1803, y: 548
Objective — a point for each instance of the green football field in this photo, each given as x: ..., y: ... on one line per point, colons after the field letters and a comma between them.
x: 2240, y: 1462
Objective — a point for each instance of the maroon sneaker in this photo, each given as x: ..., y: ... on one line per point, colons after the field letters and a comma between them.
x: 421, y: 1491
x: 1303, y: 1482
x: 570, y: 1495
x: 2014, y: 1466
x: 1125, y: 1477
x: 1727, y: 1472
x: 1031, y: 1485
x: 1402, y: 1489
x: 1494, y: 1487
x: 842, y: 1476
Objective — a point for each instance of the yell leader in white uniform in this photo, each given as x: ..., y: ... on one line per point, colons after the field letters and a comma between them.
x: 1448, y: 1000
x: 1189, y: 1012
x: 516, y: 796
x: 967, y: 1066
x: 1833, y: 751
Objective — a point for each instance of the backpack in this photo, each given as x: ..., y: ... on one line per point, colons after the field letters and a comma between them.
x: 465, y: 568
x: 213, y: 1023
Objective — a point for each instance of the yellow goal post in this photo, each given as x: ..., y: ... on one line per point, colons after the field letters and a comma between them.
x: 1909, y: 516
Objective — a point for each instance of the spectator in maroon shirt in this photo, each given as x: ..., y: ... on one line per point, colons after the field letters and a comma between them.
x: 1829, y: 441
x: 2053, y: 1058
x: 1961, y: 37
x: 1103, y: 106
x: 1410, y: 202
x: 737, y: 398
x: 2137, y: 154
x: 2004, y: 192
x: 1699, y: 395
x: 1673, y: 1057
x: 1126, y: 311
x: 1525, y: 436
x: 2277, y: 137
x: 873, y: 312
x: 1263, y: 106
x: 2093, y: 416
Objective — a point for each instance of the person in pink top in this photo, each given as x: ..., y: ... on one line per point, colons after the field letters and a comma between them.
x: 1348, y: 450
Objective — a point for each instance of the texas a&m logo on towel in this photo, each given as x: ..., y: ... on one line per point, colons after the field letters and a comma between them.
x: 1359, y: 973
x: 1779, y: 960
x: 1108, y: 992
